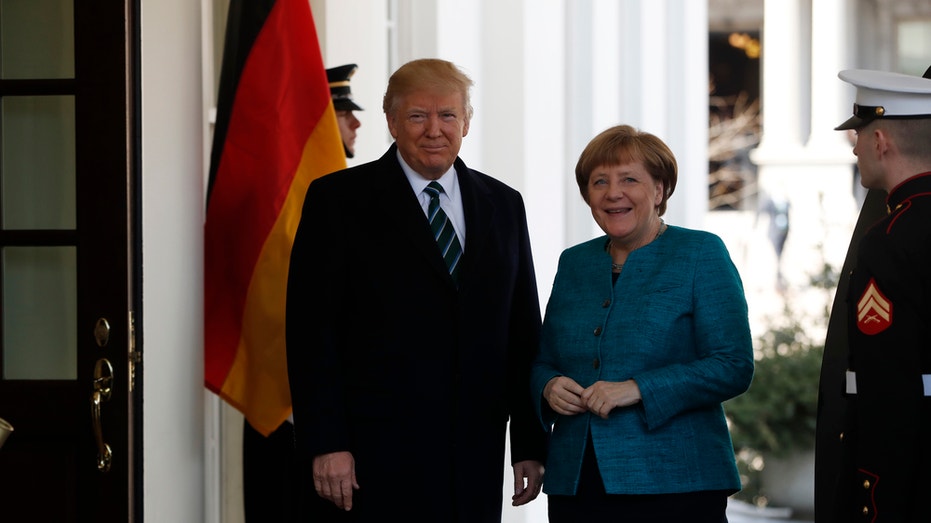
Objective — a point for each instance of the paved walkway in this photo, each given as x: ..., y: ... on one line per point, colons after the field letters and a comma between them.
x: 741, y: 512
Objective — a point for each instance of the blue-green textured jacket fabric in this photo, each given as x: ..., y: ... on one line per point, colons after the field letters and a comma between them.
x: 676, y: 322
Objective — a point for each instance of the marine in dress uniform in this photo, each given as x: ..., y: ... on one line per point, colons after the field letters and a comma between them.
x: 832, y: 401
x: 884, y: 472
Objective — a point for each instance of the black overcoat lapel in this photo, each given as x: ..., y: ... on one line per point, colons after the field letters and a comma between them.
x: 479, y: 214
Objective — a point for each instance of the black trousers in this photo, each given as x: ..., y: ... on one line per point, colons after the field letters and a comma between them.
x: 592, y: 505
x: 277, y: 487
x: 270, y: 475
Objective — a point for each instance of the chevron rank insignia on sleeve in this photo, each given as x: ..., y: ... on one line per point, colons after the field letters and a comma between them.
x: 874, y: 310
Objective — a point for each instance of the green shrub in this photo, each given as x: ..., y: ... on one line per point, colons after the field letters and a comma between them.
x: 778, y: 414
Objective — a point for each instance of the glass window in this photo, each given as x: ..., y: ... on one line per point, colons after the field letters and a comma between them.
x: 914, y: 46
x: 39, y: 310
x: 36, y: 39
x: 38, y: 166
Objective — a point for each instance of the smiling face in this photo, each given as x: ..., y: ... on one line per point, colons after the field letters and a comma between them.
x: 624, y: 200
x: 624, y: 147
x: 428, y: 126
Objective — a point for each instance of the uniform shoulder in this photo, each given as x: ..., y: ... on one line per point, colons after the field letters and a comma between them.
x: 913, y: 218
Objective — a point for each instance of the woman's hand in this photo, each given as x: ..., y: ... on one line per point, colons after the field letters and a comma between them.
x: 603, y: 396
x: 564, y: 396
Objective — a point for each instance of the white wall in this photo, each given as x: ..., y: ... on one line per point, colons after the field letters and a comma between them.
x: 356, y: 32
x: 173, y: 196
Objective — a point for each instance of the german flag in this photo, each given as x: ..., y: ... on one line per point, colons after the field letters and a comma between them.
x: 276, y: 131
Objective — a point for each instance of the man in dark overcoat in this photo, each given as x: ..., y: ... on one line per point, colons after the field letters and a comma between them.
x: 412, y: 319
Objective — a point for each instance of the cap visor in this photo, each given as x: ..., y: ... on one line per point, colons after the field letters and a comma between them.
x: 852, y: 123
x: 346, y: 105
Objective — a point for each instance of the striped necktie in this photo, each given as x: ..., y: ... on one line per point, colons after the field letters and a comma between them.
x: 443, y: 230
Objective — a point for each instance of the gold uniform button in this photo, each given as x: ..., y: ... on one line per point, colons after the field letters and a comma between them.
x: 866, y: 511
x: 840, y: 437
x: 866, y: 483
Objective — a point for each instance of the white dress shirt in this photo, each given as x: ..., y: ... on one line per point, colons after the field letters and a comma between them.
x: 450, y: 198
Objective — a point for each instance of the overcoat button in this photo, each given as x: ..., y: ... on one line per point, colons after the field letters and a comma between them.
x: 605, y: 304
x: 597, y: 331
x: 841, y: 436
x: 596, y: 363
x: 866, y: 483
x: 866, y: 511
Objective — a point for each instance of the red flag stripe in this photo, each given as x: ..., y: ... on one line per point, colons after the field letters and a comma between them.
x: 282, y: 96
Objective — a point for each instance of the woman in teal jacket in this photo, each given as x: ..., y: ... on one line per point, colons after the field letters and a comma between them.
x: 645, y: 335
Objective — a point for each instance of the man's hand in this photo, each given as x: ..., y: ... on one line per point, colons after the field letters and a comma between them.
x: 528, y: 481
x: 335, y: 478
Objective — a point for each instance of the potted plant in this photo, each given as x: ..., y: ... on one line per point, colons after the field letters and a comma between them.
x: 773, y: 423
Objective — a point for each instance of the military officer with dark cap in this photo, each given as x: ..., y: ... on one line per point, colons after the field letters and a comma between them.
x: 344, y: 105
x: 883, y: 468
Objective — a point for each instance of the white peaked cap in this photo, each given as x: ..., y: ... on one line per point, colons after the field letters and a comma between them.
x: 882, y: 94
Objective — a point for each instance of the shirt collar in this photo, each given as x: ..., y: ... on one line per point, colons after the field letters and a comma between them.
x: 449, y: 180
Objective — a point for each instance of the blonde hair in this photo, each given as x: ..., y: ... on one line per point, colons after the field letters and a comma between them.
x: 427, y: 73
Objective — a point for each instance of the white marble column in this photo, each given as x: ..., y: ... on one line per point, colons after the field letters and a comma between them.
x: 781, y: 79
x: 829, y: 152
x: 687, y: 102
x: 654, y: 55
x: 347, y: 30
x: 831, y: 99
x: 813, y: 171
